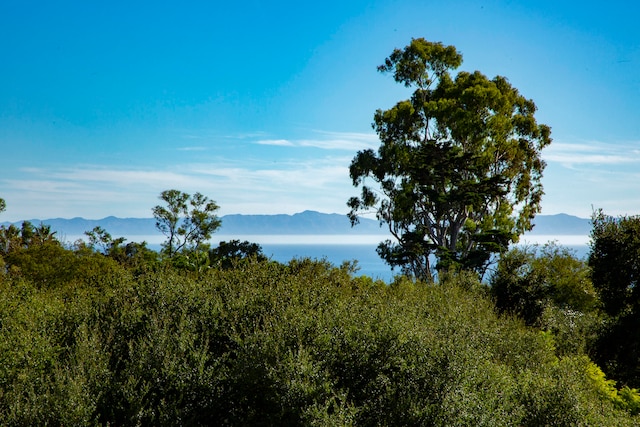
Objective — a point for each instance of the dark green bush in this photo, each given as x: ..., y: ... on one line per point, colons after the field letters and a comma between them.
x: 530, y: 279
x: 270, y: 344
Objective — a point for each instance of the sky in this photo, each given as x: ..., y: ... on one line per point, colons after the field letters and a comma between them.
x: 262, y: 105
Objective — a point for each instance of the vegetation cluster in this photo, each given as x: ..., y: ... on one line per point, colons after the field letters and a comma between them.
x: 88, y: 340
x: 111, y: 334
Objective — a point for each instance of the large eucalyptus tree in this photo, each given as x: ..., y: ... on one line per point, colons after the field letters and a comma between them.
x: 458, y: 172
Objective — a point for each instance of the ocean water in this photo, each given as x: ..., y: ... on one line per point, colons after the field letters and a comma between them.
x: 368, y: 261
x: 339, y: 248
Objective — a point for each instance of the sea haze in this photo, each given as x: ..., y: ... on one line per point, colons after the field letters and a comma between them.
x: 304, y: 223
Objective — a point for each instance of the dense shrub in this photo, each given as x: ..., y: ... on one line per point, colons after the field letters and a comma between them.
x: 229, y: 254
x: 50, y: 265
x: 270, y: 344
x: 615, y: 264
x: 530, y: 279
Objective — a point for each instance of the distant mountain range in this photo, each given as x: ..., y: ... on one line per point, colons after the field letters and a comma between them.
x: 307, y: 222
x: 561, y: 225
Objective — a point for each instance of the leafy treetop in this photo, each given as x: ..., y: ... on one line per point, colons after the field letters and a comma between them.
x: 458, y: 170
x: 187, y: 221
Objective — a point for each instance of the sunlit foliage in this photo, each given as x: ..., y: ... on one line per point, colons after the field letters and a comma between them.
x: 264, y: 343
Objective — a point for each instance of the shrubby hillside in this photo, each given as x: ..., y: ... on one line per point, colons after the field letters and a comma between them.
x: 88, y: 340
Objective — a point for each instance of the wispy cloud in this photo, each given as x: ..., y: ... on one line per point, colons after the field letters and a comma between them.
x: 206, y: 133
x: 333, y: 144
x: 268, y: 178
x: 276, y: 142
x: 349, y: 141
x: 192, y: 149
x: 368, y: 137
x: 286, y: 181
x: 582, y: 176
x: 247, y: 186
x: 120, y: 177
x: 593, y: 154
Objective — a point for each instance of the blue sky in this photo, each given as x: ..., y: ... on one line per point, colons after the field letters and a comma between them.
x: 262, y: 105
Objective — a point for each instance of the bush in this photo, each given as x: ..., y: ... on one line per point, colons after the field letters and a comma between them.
x: 269, y: 344
x: 529, y: 279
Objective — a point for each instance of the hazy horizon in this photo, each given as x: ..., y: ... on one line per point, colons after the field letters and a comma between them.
x: 232, y: 214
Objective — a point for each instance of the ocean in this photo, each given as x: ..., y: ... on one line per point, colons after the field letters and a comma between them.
x: 369, y: 263
x: 339, y: 248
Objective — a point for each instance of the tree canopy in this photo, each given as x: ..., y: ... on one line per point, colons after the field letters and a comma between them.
x: 615, y: 262
x: 615, y: 272
x: 458, y: 172
x: 228, y: 254
x: 187, y: 221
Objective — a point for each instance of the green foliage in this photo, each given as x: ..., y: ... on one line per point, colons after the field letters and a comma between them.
x: 617, y: 348
x: 615, y: 262
x: 304, y: 343
x: 187, y: 221
x: 52, y: 266
x: 575, y: 332
x: 102, y: 241
x: 455, y: 160
x: 626, y: 398
x: 191, y: 260
x: 550, y: 288
x: 133, y: 254
x: 10, y: 239
x: 13, y: 238
x: 229, y: 254
x: 3, y: 205
x: 530, y: 279
x: 615, y: 265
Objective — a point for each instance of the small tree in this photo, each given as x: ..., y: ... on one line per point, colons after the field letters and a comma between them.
x: 227, y: 254
x: 100, y: 239
x: 43, y: 234
x: 3, y: 205
x: 14, y: 238
x: 187, y: 221
x: 459, y: 165
x: 10, y: 239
